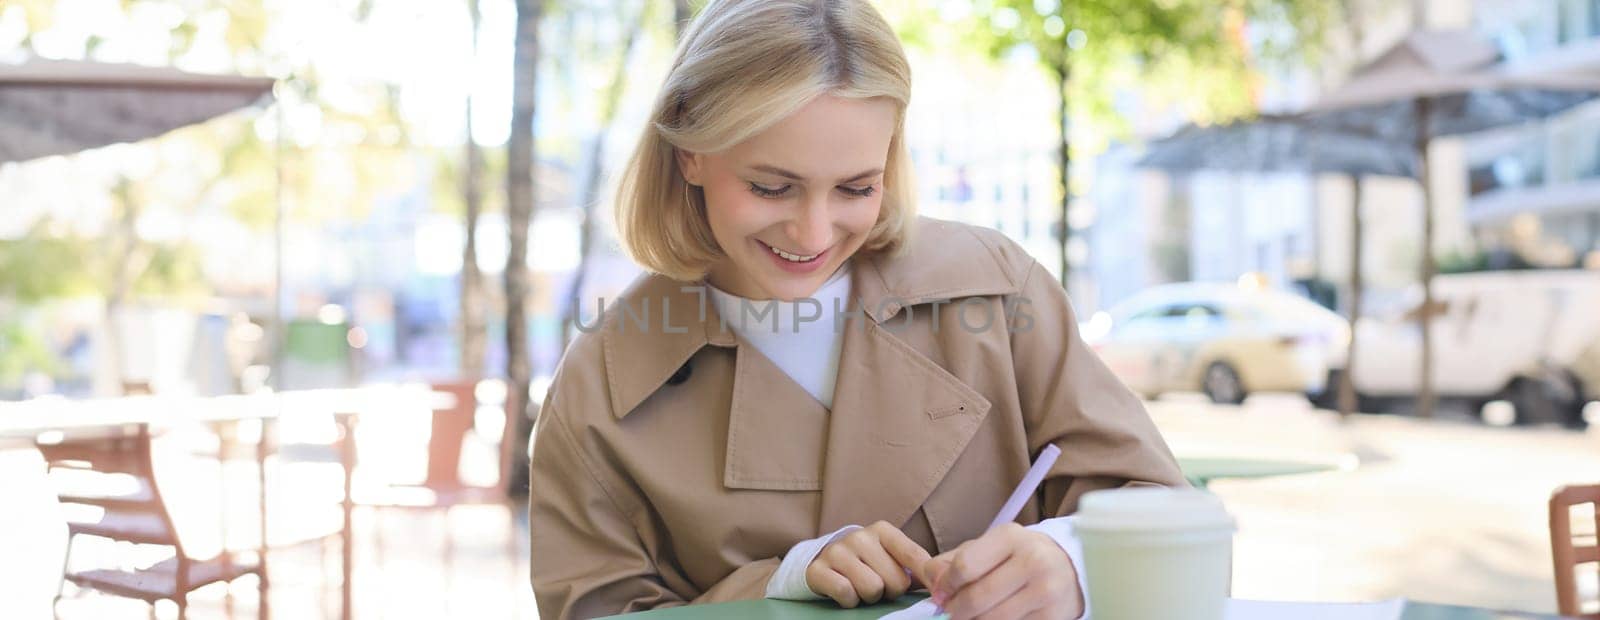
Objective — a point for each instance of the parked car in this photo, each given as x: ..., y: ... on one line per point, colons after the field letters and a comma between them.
x: 1225, y: 340
x: 1526, y: 337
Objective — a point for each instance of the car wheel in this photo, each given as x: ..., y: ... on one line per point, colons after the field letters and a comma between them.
x: 1536, y: 403
x: 1222, y: 385
x: 1328, y: 398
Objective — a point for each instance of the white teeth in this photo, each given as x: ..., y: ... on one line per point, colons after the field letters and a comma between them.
x: 793, y: 258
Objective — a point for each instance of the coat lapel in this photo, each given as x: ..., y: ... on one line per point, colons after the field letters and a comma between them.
x: 899, y: 422
x: 776, y: 430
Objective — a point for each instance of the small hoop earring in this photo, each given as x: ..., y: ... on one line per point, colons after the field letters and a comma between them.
x: 687, y: 198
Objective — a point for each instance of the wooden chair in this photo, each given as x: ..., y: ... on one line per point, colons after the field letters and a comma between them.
x: 443, y: 488
x: 1571, y: 550
x: 100, y: 456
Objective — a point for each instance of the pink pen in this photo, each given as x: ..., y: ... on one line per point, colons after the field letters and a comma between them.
x: 1030, y: 483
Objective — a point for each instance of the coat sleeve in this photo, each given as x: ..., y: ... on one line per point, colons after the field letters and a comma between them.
x: 1071, y: 399
x: 588, y: 533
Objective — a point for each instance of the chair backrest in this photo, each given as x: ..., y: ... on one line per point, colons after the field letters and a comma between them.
x: 449, y: 432
x: 93, y: 467
x: 1570, y: 550
x: 450, y: 428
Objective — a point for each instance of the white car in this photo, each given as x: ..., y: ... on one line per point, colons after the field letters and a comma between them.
x: 1225, y: 340
x: 1529, y: 338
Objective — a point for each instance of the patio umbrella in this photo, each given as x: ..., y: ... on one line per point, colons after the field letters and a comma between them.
x: 52, y: 107
x: 1441, y: 83
x: 1272, y: 143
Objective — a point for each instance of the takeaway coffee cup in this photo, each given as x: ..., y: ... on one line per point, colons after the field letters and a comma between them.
x: 1155, y: 553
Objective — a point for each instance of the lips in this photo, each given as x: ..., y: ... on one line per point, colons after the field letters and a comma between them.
x: 793, y: 258
x: 795, y: 263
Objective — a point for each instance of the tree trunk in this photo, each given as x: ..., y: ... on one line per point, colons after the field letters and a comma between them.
x: 520, y: 160
x: 1063, y: 72
x: 590, y: 198
x: 1425, y: 396
x: 131, y: 259
x: 1348, y: 400
x: 681, y: 14
x: 474, y: 336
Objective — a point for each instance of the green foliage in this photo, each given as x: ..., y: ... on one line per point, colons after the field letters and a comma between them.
x: 41, y: 266
x: 1196, y: 53
x: 21, y: 350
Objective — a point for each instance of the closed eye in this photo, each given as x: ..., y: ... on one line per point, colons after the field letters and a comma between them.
x: 859, y: 192
x: 768, y: 192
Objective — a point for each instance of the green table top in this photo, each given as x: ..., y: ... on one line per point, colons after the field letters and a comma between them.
x: 795, y: 610
x: 1202, y: 470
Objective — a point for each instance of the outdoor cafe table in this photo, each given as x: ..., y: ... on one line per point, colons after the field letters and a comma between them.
x: 23, y: 423
x: 1201, y: 471
x: 818, y: 610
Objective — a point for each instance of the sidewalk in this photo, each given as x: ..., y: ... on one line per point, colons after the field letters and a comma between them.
x: 1444, y: 511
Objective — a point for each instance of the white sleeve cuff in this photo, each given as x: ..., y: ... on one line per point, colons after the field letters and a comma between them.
x: 789, y: 582
x: 1060, y: 529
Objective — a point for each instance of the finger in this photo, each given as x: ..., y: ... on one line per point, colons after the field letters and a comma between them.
x: 907, y: 553
x: 933, y: 570
x: 828, y: 582
x: 1021, y: 605
x: 977, y: 558
x: 989, y: 591
x: 941, y: 564
x: 895, y: 580
x: 867, y: 584
x: 1039, y: 614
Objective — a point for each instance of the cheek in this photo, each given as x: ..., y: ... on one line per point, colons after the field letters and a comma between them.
x: 733, y: 212
x: 862, y: 219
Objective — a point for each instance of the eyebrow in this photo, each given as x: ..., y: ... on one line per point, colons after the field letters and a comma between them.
x: 790, y: 175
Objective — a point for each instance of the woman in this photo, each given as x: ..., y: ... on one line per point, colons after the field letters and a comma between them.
x: 814, y: 393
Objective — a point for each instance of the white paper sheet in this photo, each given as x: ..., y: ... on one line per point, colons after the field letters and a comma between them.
x: 1277, y: 610
x: 1239, y: 609
x: 923, y: 609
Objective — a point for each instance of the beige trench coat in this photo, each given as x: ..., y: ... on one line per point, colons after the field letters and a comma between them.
x: 673, y: 464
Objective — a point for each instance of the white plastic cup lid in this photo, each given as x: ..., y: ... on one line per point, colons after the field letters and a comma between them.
x: 1152, y: 509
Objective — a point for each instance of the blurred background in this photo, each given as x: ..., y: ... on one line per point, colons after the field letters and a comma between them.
x: 1349, y: 250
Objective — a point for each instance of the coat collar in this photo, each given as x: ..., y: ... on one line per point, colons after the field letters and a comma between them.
x: 669, y: 321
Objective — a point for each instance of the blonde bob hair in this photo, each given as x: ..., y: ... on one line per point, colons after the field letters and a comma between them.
x: 742, y: 66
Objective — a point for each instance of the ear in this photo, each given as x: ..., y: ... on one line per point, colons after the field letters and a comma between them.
x: 691, y: 165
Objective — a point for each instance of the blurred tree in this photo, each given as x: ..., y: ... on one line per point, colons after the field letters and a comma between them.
x: 681, y: 14
x: 589, y: 198
x: 1198, y: 53
x: 474, y: 334
x: 520, y: 158
x: 22, y: 350
x: 345, y: 148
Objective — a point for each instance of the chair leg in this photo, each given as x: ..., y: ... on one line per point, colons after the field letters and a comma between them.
x: 261, y: 595
x: 61, y: 588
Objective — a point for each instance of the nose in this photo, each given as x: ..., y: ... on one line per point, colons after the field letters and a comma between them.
x: 811, y: 227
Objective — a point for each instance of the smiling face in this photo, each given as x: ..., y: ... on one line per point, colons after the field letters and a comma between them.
x: 789, y: 205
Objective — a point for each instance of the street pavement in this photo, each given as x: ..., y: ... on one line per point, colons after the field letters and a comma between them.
x: 1447, y: 510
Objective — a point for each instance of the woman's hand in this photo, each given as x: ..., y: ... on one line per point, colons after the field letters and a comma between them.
x: 1009, y: 572
x: 875, y: 563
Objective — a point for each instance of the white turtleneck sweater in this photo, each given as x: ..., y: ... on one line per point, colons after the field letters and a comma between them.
x: 803, y: 339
